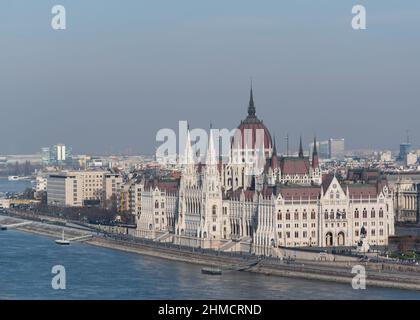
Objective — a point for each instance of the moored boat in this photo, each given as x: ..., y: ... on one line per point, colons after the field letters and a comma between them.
x: 62, y: 241
x: 211, y: 271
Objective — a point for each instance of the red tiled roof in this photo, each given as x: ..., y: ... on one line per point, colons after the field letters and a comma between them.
x: 292, y: 166
x: 170, y: 186
x: 326, y: 181
x: 363, y: 191
x: 309, y: 192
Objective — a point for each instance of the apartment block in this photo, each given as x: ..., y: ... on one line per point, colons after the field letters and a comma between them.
x: 74, y: 188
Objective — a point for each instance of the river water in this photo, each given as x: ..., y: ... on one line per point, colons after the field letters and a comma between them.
x: 13, y: 186
x: 26, y: 261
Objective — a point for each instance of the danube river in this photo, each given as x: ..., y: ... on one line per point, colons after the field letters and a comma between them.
x: 13, y: 186
x: 26, y: 261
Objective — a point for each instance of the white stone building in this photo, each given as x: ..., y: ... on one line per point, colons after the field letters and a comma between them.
x: 289, y: 203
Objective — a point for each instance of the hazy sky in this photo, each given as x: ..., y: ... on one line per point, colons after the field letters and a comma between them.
x: 124, y: 69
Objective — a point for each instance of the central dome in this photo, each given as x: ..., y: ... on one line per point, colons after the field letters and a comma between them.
x: 251, y: 132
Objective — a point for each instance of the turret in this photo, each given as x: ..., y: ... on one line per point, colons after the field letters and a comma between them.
x: 300, y: 148
x: 251, y: 106
x: 315, y: 159
x: 274, y: 158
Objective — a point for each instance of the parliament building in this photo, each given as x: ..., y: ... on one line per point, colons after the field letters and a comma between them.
x: 289, y: 202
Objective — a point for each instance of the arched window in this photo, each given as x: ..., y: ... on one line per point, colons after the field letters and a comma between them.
x: 326, y: 214
x: 279, y: 215
x: 313, y: 214
x: 296, y: 215
x: 156, y: 204
x: 305, y: 215
x: 364, y: 213
x: 287, y: 215
x: 372, y: 213
x: 214, y: 210
x: 341, y: 239
x: 381, y: 213
x: 356, y: 213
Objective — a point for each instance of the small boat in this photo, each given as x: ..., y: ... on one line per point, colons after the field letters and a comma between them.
x: 211, y: 271
x: 62, y: 241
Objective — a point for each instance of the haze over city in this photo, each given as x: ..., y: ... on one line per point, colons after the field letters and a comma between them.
x: 225, y: 153
x: 119, y: 73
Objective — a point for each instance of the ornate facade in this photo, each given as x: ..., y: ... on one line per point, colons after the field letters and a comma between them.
x: 288, y: 203
x: 406, y: 200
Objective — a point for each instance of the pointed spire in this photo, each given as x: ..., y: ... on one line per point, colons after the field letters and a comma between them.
x: 300, y: 148
x: 274, y: 159
x: 274, y: 146
x: 315, y: 159
x: 251, y: 106
x: 211, y: 153
x: 188, y: 152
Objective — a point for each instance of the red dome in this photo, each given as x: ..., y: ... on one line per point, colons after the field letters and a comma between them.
x: 248, y: 135
x: 250, y: 129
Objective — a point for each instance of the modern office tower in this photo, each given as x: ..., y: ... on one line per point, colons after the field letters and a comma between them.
x: 45, y: 155
x: 60, y: 154
x: 323, y: 148
x: 405, y: 149
x: 336, y: 148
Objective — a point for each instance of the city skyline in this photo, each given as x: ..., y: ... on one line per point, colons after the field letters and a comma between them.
x: 167, y: 151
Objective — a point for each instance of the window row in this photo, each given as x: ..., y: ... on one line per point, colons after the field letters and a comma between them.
x: 296, y: 215
x: 365, y: 213
x: 372, y: 232
x: 288, y: 234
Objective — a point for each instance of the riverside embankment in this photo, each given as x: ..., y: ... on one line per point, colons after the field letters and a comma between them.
x: 378, y: 274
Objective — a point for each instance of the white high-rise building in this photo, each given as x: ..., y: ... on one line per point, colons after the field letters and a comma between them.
x: 411, y: 159
x: 336, y: 147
